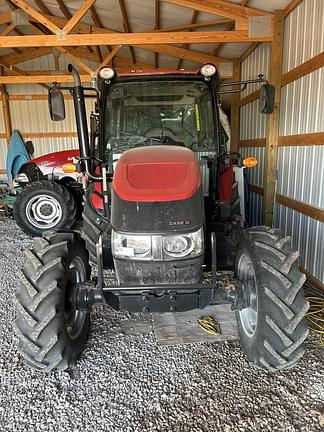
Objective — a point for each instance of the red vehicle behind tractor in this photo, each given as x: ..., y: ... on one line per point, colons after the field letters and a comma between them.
x: 161, y: 204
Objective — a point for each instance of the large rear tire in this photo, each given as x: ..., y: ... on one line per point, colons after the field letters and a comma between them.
x: 51, y: 335
x: 44, y: 205
x: 272, y: 329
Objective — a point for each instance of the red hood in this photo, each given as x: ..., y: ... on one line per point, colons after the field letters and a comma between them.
x: 56, y: 159
x: 157, y: 173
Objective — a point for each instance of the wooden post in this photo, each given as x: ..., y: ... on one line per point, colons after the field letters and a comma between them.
x: 272, y: 133
x: 6, y: 111
x: 235, y: 110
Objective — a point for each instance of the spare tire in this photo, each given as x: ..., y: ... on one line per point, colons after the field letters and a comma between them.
x: 44, y: 205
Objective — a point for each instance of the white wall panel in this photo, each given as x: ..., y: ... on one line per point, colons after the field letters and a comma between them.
x: 48, y: 145
x: 3, y: 153
x: 308, y: 238
x: 256, y: 63
x: 301, y: 174
x: 252, y: 123
x: 304, y: 36
x: 301, y: 105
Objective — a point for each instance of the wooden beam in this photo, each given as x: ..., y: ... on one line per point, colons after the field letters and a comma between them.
x: 306, y: 209
x: 316, y: 138
x: 256, y: 189
x: 42, y: 7
x: 126, y: 26
x: 78, y: 16
x: 303, y: 69
x: 219, y: 7
x: 6, y: 111
x: 163, y: 49
x: 109, y: 57
x: 257, y: 142
x: 235, y: 110
x: 38, y: 79
x: 132, y: 39
x: 249, y: 98
x: 67, y: 53
x: 156, y: 27
x: 292, y: 5
x: 65, y: 11
x: 26, y: 55
x: 29, y: 135
x: 8, y: 29
x: 186, y: 46
x: 273, y: 120
x: 37, y: 16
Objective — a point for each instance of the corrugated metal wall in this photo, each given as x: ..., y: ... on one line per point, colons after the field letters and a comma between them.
x: 253, y: 126
x: 300, y: 168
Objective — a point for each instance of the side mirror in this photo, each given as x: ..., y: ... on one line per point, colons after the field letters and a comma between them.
x: 267, y: 99
x: 30, y: 147
x: 56, y: 104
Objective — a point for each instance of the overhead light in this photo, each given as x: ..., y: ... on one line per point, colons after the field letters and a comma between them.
x: 208, y: 70
x: 250, y: 162
x: 106, y: 73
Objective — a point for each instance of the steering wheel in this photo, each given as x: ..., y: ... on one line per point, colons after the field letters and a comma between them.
x: 154, y: 137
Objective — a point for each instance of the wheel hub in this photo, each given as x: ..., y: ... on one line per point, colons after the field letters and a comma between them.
x: 44, y: 211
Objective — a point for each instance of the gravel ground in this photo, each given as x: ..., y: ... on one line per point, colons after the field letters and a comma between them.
x: 128, y: 383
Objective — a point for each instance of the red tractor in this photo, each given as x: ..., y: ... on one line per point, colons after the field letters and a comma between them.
x: 161, y: 204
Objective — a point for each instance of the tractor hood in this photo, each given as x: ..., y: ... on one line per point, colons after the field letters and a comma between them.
x: 157, y: 173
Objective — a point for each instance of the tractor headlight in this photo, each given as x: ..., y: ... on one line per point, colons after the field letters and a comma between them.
x: 131, y: 246
x: 157, y: 247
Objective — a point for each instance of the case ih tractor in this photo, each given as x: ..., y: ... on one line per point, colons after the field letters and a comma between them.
x: 161, y: 204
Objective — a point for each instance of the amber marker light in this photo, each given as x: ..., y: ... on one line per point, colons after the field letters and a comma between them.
x: 250, y: 162
x: 69, y: 167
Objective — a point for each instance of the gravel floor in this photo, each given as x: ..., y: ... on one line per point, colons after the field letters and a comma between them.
x: 128, y: 383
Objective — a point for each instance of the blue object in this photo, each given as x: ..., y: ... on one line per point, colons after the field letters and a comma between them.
x: 17, y: 155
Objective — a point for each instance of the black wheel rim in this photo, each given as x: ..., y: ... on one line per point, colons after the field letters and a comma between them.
x: 74, y: 319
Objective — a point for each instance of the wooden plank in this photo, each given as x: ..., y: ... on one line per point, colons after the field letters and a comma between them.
x: 36, y: 15
x: 185, y: 46
x: 303, y: 69
x: 49, y: 135
x: 37, y: 79
x: 256, y: 189
x: 64, y: 9
x: 78, y: 16
x: 66, y: 52
x: 306, y: 209
x: 109, y: 57
x: 2, y: 171
x: 316, y: 138
x: 257, y: 142
x: 292, y: 5
x: 235, y: 110
x: 182, y: 327
x: 126, y: 26
x: 273, y: 120
x: 8, y: 29
x: 26, y: 55
x: 132, y: 39
x: 42, y: 6
x: 249, y: 98
x: 6, y: 111
x: 219, y: 7
x: 312, y: 280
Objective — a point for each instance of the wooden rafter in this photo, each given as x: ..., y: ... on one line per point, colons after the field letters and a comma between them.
x: 229, y: 27
x: 132, y: 39
x: 185, y: 46
x: 42, y: 7
x: 156, y: 27
x: 195, y: 26
x: 78, y: 16
x: 8, y: 29
x: 75, y: 59
x: 126, y: 26
x: 110, y: 56
x: 38, y: 16
x: 5, y: 17
x: 65, y: 11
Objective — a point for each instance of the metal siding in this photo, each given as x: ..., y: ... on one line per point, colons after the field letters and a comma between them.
x: 252, y: 123
x: 256, y: 63
x: 307, y: 235
x: 304, y: 36
x: 300, y: 174
x: 301, y: 105
x: 2, y: 126
x: 49, y: 145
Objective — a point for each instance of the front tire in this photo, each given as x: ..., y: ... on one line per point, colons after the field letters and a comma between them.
x: 272, y: 329
x: 44, y: 205
x: 51, y: 335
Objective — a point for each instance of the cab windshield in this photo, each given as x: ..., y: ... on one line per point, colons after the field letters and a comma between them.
x: 173, y: 112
